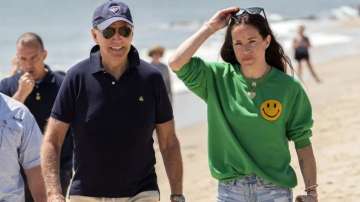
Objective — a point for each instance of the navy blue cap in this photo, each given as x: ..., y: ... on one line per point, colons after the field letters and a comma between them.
x: 110, y: 12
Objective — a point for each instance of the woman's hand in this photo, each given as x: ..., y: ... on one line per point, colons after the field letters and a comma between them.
x: 188, y: 48
x: 221, y: 18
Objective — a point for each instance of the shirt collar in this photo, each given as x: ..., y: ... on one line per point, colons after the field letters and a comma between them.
x: 49, y: 77
x: 95, y: 59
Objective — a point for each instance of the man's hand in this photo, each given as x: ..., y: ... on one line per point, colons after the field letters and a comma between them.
x: 26, y: 85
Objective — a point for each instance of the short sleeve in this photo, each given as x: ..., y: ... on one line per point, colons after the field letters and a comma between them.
x: 163, y: 108
x: 195, y: 75
x: 29, y: 151
x: 300, y: 120
x: 64, y: 105
x: 4, y: 87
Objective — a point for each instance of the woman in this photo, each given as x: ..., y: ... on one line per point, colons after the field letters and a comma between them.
x: 254, y: 108
x: 301, y: 45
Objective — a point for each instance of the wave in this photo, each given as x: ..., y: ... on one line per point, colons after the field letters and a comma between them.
x: 346, y: 12
x: 325, y: 33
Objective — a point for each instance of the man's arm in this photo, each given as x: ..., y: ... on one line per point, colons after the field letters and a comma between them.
x: 50, y: 158
x: 187, y: 49
x: 308, y: 170
x: 36, y: 183
x: 29, y: 154
x: 170, y: 151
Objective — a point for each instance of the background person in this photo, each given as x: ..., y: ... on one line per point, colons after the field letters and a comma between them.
x: 156, y: 53
x: 20, y: 141
x: 36, y: 85
x: 301, y: 45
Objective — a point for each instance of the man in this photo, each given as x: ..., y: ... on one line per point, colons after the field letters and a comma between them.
x: 156, y: 53
x: 35, y: 85
x: 112, y: 101
x: 20, y: 141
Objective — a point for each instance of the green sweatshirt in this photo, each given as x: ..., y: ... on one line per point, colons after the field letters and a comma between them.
x: 250, y: 136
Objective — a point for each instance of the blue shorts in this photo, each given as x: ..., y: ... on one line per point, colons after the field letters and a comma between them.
x: 252, y: 189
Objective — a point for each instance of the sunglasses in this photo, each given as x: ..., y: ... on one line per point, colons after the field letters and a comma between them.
x: 109, y: 32
x: 250, y: 11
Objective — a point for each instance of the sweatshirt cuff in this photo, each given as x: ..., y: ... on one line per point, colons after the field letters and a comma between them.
x: 303, y: 142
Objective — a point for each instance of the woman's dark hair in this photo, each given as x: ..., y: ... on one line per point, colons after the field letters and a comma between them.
x: 274, y: 54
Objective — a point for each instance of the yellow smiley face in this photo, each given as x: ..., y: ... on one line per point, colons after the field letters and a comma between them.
x: 271, y: 109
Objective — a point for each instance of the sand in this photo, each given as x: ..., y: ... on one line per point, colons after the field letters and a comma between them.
x: 336, y: 140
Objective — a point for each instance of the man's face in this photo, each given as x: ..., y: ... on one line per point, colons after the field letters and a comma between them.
x: 116, y: 47
x: 156, y: 56
x: 31, y: 60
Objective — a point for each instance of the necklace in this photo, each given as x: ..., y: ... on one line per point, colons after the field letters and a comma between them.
x: 252, y: 91
x: 252, y: 86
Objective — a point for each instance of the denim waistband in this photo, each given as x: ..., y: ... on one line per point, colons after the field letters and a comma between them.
x: 246, y: 180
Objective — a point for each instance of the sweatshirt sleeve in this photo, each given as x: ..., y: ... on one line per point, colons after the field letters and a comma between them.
x: 195, y: 75
x: 300, y: 120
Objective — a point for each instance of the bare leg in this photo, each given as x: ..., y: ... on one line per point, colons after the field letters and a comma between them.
x: 300, y: 70
x: 312, y: 71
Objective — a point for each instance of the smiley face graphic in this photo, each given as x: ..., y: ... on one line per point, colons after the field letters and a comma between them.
x: 271, y: 110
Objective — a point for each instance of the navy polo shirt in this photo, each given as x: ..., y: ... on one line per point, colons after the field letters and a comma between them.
x: 113, y: 122
x: 40, y: 102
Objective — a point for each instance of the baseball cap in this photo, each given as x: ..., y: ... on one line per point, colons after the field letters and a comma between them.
x: 110, y: 12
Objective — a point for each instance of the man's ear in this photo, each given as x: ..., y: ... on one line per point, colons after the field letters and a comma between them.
x: 94, y: 35
x: 45, y: 53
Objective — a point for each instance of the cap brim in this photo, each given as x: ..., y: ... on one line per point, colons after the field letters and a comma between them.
x: 108, y: 22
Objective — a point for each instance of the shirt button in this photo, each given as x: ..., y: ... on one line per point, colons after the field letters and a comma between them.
x: 113, y: 83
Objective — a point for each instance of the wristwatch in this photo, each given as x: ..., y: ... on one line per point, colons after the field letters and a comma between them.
x: 177, y: 197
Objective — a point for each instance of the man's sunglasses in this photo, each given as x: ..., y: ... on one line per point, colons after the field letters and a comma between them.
x: 109, y: 32
x: 250, y: 11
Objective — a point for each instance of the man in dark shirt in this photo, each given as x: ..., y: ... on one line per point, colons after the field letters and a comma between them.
x: 113, y: 101
x: 156, y: 53
x: 35, y: 85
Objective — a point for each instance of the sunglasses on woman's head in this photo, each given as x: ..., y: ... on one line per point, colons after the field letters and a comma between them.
x: 109, y: 32
x: 250, y: 11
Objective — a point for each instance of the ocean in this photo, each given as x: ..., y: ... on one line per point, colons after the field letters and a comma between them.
x: 65, y: 28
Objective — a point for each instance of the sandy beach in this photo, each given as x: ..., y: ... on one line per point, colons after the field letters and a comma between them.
x: 335, y: 140
x: 332, y: 26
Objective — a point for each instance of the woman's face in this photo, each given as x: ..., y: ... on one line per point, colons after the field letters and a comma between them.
x: 248, y: 44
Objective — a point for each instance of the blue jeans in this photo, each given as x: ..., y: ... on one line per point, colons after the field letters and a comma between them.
x: 252, y: 189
